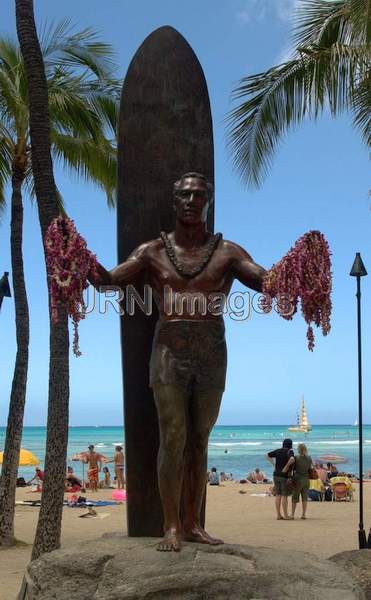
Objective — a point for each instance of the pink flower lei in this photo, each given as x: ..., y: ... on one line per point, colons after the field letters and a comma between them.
x: 69, y: 261
x: 305, y: 274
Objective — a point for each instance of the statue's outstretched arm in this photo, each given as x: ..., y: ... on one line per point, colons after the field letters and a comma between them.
x: 124, y: 274
x: 246, y: 270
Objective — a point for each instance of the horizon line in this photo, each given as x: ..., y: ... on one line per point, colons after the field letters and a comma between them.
x: 218, y: 425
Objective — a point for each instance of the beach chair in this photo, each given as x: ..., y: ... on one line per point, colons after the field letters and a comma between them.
x: 341, y: 492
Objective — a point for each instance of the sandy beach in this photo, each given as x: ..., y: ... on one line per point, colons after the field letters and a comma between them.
x: 240, y: 518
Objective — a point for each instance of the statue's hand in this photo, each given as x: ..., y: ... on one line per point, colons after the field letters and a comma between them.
x: 99, y: 276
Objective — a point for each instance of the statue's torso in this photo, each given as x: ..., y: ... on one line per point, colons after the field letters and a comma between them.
x: 182, y: 297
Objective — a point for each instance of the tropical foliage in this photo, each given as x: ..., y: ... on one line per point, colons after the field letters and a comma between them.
x: 329, y: 68
x: 81, y: 98
x: 83, y: 102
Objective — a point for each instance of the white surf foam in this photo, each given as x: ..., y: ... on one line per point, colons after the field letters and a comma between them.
x: 333, y: 443
x: 235, y: 444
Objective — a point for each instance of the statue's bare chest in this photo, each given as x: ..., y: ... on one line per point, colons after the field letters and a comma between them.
x: 202, y: 269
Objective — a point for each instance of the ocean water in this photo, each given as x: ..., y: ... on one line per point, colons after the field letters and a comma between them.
x: 233, y: 449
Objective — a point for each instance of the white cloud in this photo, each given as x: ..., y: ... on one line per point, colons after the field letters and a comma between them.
x: 254, y: 10
x: 258, y: 10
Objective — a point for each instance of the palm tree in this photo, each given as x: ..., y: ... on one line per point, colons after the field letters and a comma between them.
x: 330, y: 67
x: 83, y: 100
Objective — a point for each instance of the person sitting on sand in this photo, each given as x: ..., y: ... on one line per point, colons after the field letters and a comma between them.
x: 281, y: 456
x: 316, y: 490
x: 95, y: 466
x: 333, y: 472
x: 106, y: 482
x: 73, y: 483
x: 257, y: 476
x: 38, y: 478
x: 213, y: 477
x: 322, y: 472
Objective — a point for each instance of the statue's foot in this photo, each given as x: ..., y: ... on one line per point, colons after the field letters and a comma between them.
x: 199, y: 535
x: 171, y: 541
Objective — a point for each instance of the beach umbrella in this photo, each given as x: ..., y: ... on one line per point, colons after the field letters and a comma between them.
x: 333, y: 458
x: 26, y: 458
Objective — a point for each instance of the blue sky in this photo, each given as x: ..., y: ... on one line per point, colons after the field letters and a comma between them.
x: 319, y: 180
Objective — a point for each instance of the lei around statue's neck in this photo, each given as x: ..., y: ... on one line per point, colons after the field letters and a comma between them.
x: 192, y: 267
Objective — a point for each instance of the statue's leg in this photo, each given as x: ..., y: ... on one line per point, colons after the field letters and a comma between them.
x: 171, y: 404
x: 204, y: 410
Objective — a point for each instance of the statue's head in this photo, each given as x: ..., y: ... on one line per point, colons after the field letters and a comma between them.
x: 193, y: 194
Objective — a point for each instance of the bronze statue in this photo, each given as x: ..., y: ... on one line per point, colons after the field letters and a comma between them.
x: 189, y: 270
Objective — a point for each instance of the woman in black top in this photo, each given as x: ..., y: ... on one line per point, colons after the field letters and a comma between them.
x: 281, y: 456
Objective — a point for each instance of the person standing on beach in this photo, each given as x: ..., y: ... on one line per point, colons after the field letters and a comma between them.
x: 281, y: 456
x: 119, y: 461
x: 95, y: 465
x: 303, y: 462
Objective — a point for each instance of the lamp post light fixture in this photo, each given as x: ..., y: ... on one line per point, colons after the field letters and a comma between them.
x: 4, y: 287
x: 358, y: 270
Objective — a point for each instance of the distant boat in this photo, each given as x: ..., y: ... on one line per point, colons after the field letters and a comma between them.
x: 302, y: 424
x: 355, y: 424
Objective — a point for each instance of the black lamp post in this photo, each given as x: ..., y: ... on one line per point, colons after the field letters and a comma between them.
x: 4, y: 287
x: 358, y: 270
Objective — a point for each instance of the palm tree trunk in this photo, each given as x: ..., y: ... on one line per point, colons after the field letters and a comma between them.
x: 13, y: 438
x: 50, y: 517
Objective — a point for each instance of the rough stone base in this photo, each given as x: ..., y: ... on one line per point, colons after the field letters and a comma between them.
x: 115, y: 567
x: 357, y: 563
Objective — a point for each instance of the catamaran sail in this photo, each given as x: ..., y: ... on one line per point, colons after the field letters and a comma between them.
x: 303, y: 424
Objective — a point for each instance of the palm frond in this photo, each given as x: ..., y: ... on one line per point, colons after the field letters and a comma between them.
x: 361, y: 106
x: 83, y: 103
x: 10, y: 54
x: 360, y: 21
x: 83, y: 49
x: 91, y: 160
x: 70, y: 112
x: 319, y: 22
x: 52, y: 36
x: 13, y: 87
x: 6, y: 158
x: 8, y: 93
x: 107, y: 107
x: 256, y: 125
x: 7, y: 134
x: 282, y: 97
x: 29, y: 184
x: 69, y: 96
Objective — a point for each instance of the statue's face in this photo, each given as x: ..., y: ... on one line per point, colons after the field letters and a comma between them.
x: 192, y: 201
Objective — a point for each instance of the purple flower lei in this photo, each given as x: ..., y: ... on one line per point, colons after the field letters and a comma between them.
x: 68, y: 262
x: 305, y: 274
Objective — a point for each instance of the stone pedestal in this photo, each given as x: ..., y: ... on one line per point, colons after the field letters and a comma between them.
x: 115, y: 567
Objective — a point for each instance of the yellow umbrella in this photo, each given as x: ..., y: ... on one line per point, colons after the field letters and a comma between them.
x: 26, y: 458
